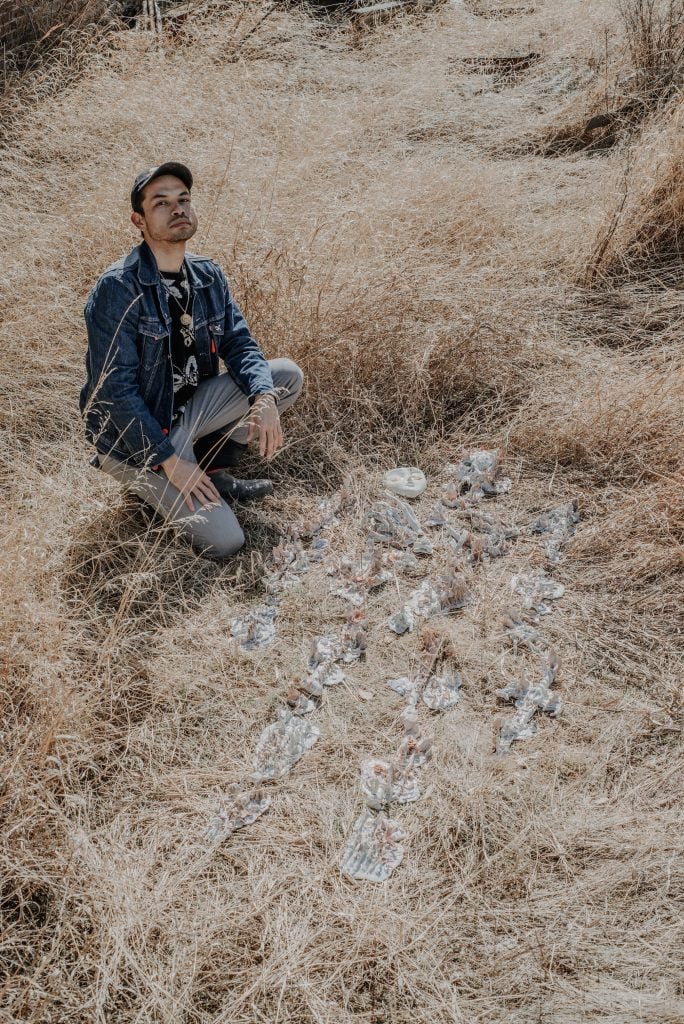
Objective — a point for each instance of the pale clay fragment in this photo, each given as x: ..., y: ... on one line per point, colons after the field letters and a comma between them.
x: 474, y: 478
x: 414, y: 749
x: 493, y: 540
x: 522, y: 634
x: 373, y: 849
x: 445, y: 594
x: 402, y: 622
x: 442, y: 692
x: 324, y: 648
x: 354, y: 638
x: 351, y: 592
x: 528, y: 700
x: 326, y: 674
x: 437, y: 516
x: 282, y: 744
x: 237, y: 809
x: 557, y: 526
x: 288, y: 562
x: 318, y: 549
x: 405, y: 561
x: 423, y: 546
x: 536, y: 589
x: 405, y: 687
x: 311, y: 684
x: 355, y: 580
x: 302, y: 705
x: 384, y: 783
x: 393, y: 522
x: 256, y: 629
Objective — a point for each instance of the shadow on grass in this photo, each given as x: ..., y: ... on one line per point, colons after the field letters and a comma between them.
x: 128, y: 568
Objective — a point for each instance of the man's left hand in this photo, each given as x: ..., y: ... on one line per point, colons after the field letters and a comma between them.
x: 264, y: 423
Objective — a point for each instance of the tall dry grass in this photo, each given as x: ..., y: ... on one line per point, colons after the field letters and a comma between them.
x: 655, y: 40
x: 365, y: 199
x: 643, y: 238
x: 46, y: 33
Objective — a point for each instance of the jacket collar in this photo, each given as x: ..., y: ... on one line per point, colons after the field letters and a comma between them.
x: 142, y: 260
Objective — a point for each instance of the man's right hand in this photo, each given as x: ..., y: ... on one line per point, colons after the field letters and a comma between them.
x: 190, y: 480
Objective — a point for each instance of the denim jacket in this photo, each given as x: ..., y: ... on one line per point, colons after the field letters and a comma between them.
x: 127, y: 399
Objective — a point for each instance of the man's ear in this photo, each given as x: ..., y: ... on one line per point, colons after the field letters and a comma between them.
x: 137, y: 220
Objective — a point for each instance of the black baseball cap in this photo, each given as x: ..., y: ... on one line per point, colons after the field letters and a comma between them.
x: 145, y: 177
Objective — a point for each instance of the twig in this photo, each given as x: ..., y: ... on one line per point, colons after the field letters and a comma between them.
x: 253, y: 29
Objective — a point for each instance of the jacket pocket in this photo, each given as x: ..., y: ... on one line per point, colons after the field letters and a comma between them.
x: 216, y: 331
x: 153, y: 343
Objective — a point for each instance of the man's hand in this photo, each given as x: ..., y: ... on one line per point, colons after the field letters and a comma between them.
x: 190, y: 480
x: 264, y: 423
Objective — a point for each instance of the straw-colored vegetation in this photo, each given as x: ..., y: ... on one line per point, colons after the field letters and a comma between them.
x: 389, y: 219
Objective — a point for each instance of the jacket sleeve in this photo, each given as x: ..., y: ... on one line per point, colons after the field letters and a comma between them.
x: 111, y: 317
x: 244, y: 359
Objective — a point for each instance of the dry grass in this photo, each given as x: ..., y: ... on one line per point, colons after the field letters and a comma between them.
x: 41, y: 38
x: 655, y: 39
x: 638, y: 70
x: 644, y: 237
x: 361, y: 192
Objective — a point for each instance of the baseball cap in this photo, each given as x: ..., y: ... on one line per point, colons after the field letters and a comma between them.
x: 145, y: 177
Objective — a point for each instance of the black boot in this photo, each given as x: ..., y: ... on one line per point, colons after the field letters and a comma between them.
x: 218, y: 451
x: 232, y: 489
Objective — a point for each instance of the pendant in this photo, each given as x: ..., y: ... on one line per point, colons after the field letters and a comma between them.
x: 186, y: 319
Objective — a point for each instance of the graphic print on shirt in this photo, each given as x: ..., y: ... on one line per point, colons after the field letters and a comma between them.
x: 186, y: 375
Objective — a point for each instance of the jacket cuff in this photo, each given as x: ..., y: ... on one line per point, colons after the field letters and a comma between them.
x: 258, y: 394
x: 160, y: 454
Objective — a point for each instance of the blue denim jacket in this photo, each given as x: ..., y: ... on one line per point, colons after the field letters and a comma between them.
x: 127, y: 399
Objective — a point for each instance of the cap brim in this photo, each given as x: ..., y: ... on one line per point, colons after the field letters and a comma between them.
x: 170, y: 167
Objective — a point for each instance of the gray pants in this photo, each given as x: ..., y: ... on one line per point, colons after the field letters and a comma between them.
x: 217, y: 403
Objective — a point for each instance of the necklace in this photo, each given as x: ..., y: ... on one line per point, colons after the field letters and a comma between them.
x: 186, y: 317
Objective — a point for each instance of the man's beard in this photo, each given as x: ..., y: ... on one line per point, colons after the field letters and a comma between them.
x: 181, y: 233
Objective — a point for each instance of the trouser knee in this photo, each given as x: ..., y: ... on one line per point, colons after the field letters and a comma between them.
x: 286, y: 374
x: 219, y: 547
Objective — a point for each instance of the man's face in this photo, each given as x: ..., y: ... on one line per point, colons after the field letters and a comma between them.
x: 168, y: 214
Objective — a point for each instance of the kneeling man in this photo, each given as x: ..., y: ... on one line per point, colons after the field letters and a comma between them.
x: 165, y: 422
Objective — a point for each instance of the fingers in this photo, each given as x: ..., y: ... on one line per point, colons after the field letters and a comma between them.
x: 204, y: 501
x: 254, y: 428
x: 278, y: 437
x: 215, y: 496
x: 205, y: 492
x: 264, y: 423
x: 268, y: 442
x: 270, y: 437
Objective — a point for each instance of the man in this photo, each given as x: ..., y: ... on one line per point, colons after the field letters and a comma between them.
x: 164, y: 422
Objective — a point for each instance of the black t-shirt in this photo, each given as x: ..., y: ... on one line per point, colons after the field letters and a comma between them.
x: 183, y: 348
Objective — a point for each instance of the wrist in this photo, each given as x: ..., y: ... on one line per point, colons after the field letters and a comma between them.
x: 261, y: 396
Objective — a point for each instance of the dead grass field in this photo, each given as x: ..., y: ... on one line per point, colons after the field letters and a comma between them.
x: 388, y: 218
